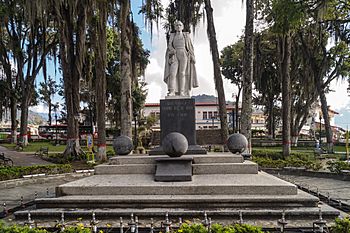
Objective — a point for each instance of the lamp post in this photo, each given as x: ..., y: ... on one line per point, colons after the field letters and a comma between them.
x: 320, y: 118
x: 56, y: 125
x: 135, y: 133
x: 233, y: 113
x: 55, y: 109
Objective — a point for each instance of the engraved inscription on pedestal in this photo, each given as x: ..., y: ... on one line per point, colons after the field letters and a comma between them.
x: 178, y: 115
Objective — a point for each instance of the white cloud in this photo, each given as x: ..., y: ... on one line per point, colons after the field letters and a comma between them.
x: 338, y: 99
x: 40, y: 108
x: 229, y: 19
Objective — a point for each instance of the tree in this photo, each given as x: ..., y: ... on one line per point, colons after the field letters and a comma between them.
x: 246, y: 114
x: 71, y: 17
x: 232, y: 69
x: 47, y: 89
x: 125, y: 59
x: 11, y: 84
x: 217, y: 74
x: 30, y: 44
x: 266, y: 78
x: 100, y: 64
x: 287, y: 16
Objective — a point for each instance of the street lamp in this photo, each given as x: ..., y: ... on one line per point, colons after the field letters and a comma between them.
x: 135, y: 133
x: 56, y: 124
x: 320, y: 117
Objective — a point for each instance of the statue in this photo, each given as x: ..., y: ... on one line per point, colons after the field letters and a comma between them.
x: 180, y: 71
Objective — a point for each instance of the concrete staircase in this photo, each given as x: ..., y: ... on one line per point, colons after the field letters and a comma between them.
x: 223, y: 185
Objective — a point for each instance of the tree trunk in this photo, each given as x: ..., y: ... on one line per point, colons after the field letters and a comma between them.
x: 26, y: 97
x: 126, y: 101
x: 100, y: 64
x: 327, y: 125
x: 246, y: 125
x: 237, y: 110
x: 14, y: 122
x: 285, y: 62
x: 270, y: 118
x: 50, y: 111
x: 217, y: 74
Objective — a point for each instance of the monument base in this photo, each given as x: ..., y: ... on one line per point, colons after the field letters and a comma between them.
x: 178, y: 115
x: 192, y: 150
x: 173, y: 169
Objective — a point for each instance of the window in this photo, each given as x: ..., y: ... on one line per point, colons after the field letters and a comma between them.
x: 216, y: 114
x: 205, y: 116
x: 210, y: 115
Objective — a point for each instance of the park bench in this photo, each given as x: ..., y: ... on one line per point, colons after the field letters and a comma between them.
x: 42, y: 151
x: 5, y: 161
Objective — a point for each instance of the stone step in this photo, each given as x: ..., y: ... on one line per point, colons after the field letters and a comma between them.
x: 197, y: 159
x: 213, y: 184
x: 264, y: 217
x: 247, y: 167
x: 178, y: 201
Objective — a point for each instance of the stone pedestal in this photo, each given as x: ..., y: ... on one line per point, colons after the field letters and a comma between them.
x: 178, y: 115
x: 173, y: 169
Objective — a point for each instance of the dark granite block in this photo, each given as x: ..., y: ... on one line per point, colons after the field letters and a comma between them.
x: 178, y: 115
x: 173, y: 169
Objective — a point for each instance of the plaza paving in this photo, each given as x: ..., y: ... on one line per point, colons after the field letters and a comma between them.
x: 23, y: 159
x: 335, y: 189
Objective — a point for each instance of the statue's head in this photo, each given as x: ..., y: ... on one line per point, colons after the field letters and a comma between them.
x: 178, y: 26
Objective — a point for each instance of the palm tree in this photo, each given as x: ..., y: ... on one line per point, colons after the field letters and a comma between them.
x: 248, y: 73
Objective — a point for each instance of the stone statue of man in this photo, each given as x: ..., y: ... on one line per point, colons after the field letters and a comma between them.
x: 180, y: 71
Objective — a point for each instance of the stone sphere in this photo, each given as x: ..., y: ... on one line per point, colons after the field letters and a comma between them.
x: 175, y: 144
x: 122, y: 145
x: 237, y: 143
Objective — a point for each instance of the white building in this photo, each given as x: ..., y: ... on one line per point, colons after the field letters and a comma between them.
x: 207, y: 115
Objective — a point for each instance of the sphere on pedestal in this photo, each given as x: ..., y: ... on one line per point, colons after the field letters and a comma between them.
x: 237, y: 143
x: 122, y: 145
x: 175, y: 144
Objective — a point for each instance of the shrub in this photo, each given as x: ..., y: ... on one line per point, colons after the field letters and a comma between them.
x: 7, y: 173
x: 292, y: 161
x: 217, y: 228
x: 19, y: 229
x: 337, y: 166
x: 341, y: 225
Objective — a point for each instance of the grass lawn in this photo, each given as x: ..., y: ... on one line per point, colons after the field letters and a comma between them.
x: 35, y: 146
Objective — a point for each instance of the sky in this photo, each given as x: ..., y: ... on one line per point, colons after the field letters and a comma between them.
x: 229, y: 20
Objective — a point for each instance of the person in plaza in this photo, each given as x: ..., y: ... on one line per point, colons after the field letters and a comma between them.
x: 180, y: 72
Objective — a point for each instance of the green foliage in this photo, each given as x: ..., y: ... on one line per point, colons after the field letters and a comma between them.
x: 19, y: 229
x: 78, y: 229
x: 274, y: 159
x: 217, y: 228
x: 287, y: 14
x: 338, y: 166
x: 231, y: 60
x: 7, y: 173
x: 341, y: 225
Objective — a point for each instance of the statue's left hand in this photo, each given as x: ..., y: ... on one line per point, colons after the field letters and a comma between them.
x: 193, y: 60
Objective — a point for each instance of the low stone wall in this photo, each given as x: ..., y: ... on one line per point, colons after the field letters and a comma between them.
x: 212, y: 137
x: 204, y: 137
x: 303, y: 172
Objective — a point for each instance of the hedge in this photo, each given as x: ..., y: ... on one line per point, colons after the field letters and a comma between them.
x: 7, y: 173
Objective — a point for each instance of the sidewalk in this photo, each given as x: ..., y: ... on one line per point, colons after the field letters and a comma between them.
x: 27, y: 187
x: 23, y: 159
